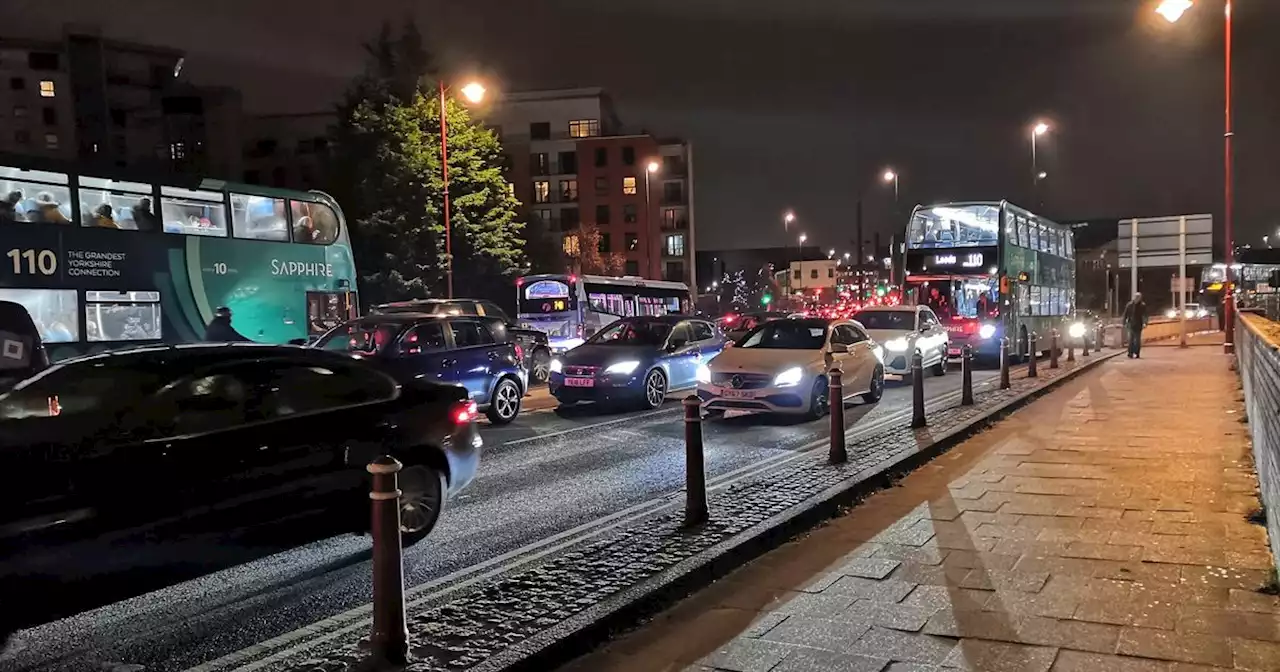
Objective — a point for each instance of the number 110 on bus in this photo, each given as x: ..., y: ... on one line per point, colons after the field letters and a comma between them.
x: 33, y: 262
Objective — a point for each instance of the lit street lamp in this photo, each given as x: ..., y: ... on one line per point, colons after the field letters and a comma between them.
x: 831, y: 253
x: 892, y: 176
x: 473, y: 92
x: 1172, y: 10
x: 1041, y: 175
x: 800, y: 246
x: 787, y: 219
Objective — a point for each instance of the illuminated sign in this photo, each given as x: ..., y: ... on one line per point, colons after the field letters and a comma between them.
x: 971, y: 260
x: 547, y: 289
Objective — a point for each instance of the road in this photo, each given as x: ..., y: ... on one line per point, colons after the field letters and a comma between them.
x: 550, y: 475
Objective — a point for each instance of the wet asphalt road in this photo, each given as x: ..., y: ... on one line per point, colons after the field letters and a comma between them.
x: 547, y: 474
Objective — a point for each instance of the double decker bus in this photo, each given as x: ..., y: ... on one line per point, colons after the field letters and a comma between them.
x: 570, y: 308
x: 990, y: 270
x: 103, y: 259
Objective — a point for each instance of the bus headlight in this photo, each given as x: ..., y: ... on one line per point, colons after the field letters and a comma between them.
x: 789, y: 378
x: 1076, y: 330
x: 896, y: 345
x: 623, y: 367
x: 704, y: 374
x: 987, y: 331
x: 556, y: 366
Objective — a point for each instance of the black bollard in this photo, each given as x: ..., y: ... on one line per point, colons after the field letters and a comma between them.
x: 1004, y: 364
x: 1033, y: 340
x: 390, y: 639
x: 966, y: 375
x: 695, y: 477
x: 1053, y: 349
x: 835, y: 396
x: 1097, y: 342
x: 917, y: 391
x: 1071, y: 347
x: 1084, y: 346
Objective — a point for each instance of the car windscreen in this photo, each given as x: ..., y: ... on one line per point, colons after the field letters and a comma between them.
x: 362, y: 336
x: 787, y: 335
x: 897, y: 320
x: 632, y: 332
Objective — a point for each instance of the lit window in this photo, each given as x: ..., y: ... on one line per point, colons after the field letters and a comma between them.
x: 50, y: 140
x: 628, y: 185
x: 46, y: 88
x: 571, y: 245
x: 584, y: 128
x: 177, y: 151
x: 541, y: 191
x: 675, y: 245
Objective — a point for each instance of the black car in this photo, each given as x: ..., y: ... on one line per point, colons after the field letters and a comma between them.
x: 474, y: 352
x: 139, y: 468
x: 537, y: 349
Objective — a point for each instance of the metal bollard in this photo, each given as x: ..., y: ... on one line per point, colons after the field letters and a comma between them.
x: 1033, y: 340
x: 835, y: 397
x: 1084, y: 347
x: 1097, y: 342
x: 966, y: 375
x: 1004, y: 363
x: 1071, y: 348
x: 917, y: 391
x: 695, y: 477
x: 1053, y: 349
x: 390, y: 639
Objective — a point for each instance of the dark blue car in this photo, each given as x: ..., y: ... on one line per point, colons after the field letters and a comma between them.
x: 471, y: 351
x: 636, y: 359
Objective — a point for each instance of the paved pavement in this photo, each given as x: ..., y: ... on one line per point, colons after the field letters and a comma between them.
x: 1101, y: 528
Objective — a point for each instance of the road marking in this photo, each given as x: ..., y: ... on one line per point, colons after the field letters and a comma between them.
x: 606, y: 423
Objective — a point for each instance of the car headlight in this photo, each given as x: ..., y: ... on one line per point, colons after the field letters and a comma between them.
x: 789, y: 378
x: 556, y: 366
x: 896, y: 345
x: 623, y: 367
x: 987, y: 331
x: 704, y: 374
x: 1076, y: 330
x: 1171, y: 313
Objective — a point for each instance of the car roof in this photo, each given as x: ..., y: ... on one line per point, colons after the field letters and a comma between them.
x: 668, y: 319
x: 887, y: 309
x: 195, y: 355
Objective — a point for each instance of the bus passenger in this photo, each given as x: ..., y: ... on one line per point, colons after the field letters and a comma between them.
x: 9, y: 207
x: 142, y: 215
x: 102, y: 217
x: 48, y: 211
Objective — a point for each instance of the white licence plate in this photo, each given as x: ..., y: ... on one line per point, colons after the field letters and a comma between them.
x: 738, y: 394
x: 953, y: 351
x: 579, y: 382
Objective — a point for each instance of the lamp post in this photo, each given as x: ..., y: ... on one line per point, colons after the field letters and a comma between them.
x: 1172, y: 10
x: 473, y: 92
x: 651, y: 168
x: 892, y: 176
x: 1036, y: 131
x: 800, y: 246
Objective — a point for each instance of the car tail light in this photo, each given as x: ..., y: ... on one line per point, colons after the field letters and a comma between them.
x: 463, y: 412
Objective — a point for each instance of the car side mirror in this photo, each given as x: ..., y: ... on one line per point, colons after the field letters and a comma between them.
x: 676, y: 345
x: 839, y: 348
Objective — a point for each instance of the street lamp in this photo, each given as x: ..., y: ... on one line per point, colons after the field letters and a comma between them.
x: 1038, y: 130
x: 892, y: 176
x: 831, y: 253
x: 1041, y: 175
x: 1172, y: 10
x: 800, y: 245
x: 472, y: 92
x: 650, y: 168
x: 787, y: 219
x: 1264, y: 241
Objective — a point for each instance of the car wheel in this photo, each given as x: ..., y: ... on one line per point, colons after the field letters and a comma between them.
x: 540, y: 371
x: 940, y: 369
x: 422, y: 495
x: 505, y: 404
x: 818, y: 399
x: 655, y: 389
x: 877, y: 386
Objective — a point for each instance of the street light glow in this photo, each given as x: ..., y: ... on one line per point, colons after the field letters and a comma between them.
x: 1172, y: 10
x: 890, y: 176
x: 1042, y: 175
x: 803, y: 238
x: 831, y: 253
x: 1041, y: 128
x: 789, y: 217
x: 653, y: 166
x: 473, y: 92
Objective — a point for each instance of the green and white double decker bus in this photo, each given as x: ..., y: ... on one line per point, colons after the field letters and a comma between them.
x: 990, y: 270
x: 102, y: 259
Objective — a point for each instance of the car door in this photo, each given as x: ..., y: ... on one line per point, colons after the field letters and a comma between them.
x: 839, y: 341
x: 681, y: 356
x: 474, y: 356
x: 861, y: 358
x: 424, y: 350
x: 935, y: 337
x: 709, y: 341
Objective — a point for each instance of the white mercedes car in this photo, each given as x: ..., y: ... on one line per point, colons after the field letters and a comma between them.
x: 781, y: 367
x: 903, y: 331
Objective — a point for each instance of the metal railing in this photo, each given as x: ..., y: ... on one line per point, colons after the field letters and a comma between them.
x: 1258, y: 359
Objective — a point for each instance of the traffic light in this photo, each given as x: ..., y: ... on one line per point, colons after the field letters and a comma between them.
x: 766, y: 300
x: 879, y: 290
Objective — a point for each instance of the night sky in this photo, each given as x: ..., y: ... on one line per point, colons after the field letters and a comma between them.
x: 801, y: 104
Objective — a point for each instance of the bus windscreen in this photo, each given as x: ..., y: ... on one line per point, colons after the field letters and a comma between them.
x: 546, y: 296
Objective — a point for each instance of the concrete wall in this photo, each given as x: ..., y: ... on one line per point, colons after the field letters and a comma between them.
x: 1258, y: 353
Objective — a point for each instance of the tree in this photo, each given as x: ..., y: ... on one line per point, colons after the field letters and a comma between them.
x: 386, y: 174
x: 583, y: 250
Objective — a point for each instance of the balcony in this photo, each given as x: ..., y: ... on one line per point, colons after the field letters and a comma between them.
x: 680, y: 224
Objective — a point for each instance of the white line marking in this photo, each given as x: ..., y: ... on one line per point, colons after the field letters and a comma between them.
x: 606, y: 423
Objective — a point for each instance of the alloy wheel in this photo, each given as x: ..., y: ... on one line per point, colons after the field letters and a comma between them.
x: 655, y: 389
x: 507, y: 400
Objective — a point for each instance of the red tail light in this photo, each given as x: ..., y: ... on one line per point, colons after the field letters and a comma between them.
x: 463, y: 412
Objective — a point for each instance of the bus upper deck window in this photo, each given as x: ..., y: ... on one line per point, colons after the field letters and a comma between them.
x: 313, y: 223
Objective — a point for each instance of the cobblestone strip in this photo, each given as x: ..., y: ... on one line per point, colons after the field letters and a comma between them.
x: 504, y: 612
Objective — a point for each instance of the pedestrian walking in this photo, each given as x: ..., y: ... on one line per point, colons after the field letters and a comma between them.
x: 1135, y: 318
x: 219, y: 329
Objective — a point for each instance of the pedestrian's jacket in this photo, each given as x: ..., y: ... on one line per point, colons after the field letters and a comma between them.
x: 221, y: 331
x: 1135, y: 315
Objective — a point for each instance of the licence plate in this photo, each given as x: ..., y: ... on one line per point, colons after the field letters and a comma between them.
x: 579, y: 382
x: 953, y: 351
x: 738, y: 394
